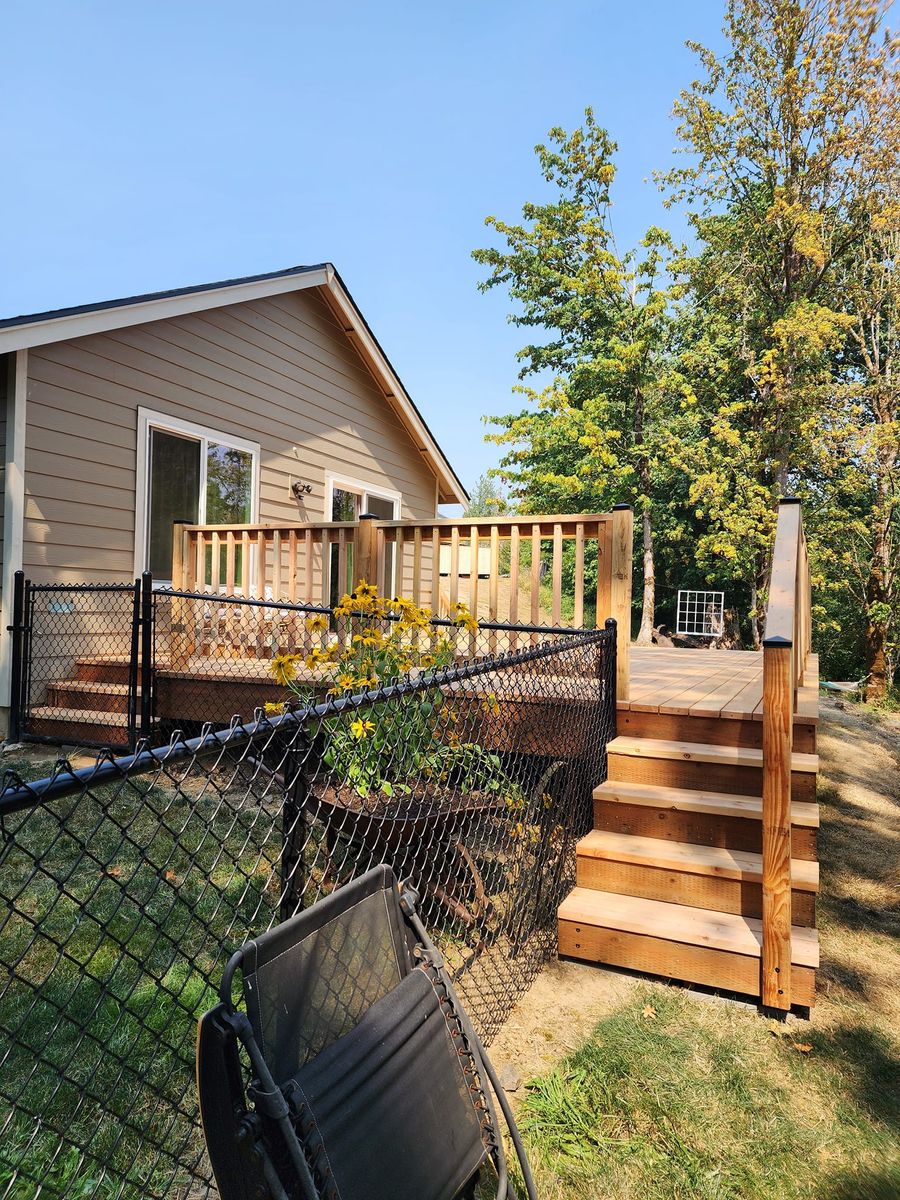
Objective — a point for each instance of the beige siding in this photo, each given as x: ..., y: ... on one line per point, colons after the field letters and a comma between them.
x: 278, y: 371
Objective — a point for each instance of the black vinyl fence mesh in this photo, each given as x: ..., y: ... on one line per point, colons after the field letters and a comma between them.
x: 463, y: 756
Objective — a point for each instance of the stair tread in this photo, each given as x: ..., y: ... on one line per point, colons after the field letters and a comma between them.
x: 690, y: 858
x: 79, y: 716
x: 680, y: 923
x: 654, y: 795
x: 740, y: 756
x: 83, y: 685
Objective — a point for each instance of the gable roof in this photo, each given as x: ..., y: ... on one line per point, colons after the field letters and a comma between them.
x: 62, y: 324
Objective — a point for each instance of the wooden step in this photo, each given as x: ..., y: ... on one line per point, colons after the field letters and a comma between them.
x: 733, y: 769
x: 80, y: 694
x: 710, y: 877
x: 79, y: 725
x: 718, y: 950
x: 721, y: 730
x: 697, y: 816
x: 113, y: 669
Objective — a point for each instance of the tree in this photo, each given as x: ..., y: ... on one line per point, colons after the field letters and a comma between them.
x: 591, y: 436
x: 786, y: 135
x: 487, y: 498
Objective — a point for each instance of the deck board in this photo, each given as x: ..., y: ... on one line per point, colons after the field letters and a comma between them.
x: 701, y: 683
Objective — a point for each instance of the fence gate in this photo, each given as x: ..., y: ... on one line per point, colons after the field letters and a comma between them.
x: 82, y: 670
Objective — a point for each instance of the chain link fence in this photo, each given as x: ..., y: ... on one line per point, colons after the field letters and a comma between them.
x: 464, y: 756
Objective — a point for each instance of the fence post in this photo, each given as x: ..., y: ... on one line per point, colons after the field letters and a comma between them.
x: 17, y: 632
x: 620, y: 591
x: 778, y: 697
x: 365, y: 557
x: 147, y: 647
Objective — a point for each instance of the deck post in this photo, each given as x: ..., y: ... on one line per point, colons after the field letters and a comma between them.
x: 181, y: 545
x: 619, y: 568
x: 778, y: 724
x: 365, y: 550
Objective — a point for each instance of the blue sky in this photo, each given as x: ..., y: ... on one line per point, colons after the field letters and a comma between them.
x: 155, y: 144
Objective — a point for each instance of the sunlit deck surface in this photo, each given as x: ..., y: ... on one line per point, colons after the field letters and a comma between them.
x: 704, y: 683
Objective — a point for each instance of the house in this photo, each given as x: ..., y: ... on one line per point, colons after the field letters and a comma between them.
x: 262, y: 399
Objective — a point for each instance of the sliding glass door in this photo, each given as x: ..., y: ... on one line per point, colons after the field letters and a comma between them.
x: 193, y: 475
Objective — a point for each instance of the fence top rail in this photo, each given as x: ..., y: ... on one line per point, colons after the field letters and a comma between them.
x: 269, y: 527
x: 566, y: 520
x: 18, y: 796
x: 509, y: 519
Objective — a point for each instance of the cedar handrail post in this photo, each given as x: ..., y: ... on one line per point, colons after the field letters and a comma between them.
x: 620, y: 590
x: 778, y: 725
x: 365, y: 556
x: 181, y: 546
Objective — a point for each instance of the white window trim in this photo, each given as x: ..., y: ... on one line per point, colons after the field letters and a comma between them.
x: 150, y: 419
x: 361, y: 488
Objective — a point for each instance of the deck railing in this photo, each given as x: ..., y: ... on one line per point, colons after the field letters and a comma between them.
x: 551, y: 570
x: 786, y: 649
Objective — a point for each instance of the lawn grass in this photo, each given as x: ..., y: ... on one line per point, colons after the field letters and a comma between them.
x: 676, y: 1096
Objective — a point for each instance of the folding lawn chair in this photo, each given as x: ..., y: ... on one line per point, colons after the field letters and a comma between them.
x: 354, y: 1073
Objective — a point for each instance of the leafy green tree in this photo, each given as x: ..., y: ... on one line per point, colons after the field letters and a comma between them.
x: 787, y: 134
x: 487, y: 498
x: 592, y: 435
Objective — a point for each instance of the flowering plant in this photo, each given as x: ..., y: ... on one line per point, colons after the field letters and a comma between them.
x: 390, y: 748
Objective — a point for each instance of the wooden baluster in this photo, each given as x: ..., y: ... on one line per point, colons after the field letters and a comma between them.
x: 557, y: 574
x: 578, y: 615
x: 535, y: 617
x: 417, y: 566
x: 778, y: 724
x: 513, y: 615
x: 292, y: 566
x: 200, y: 561
x: 436, y: 571
x: 474, y: 542
x: 396, y: 587
x: 494, y: 585
x: 308, y: 552
x: 325, y: 581
x: 230, y: 544
x: 260, y: 589
x: 214, y: 564
x: 276, y: 564
x: 454, y: 566
x: 246, y: 577
x: 342, y: 572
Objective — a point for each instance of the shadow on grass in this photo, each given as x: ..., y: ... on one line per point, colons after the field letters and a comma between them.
x: 867, y: 1061
x: 863, y: 1185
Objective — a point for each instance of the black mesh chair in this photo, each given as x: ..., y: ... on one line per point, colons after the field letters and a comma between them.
x: 354, y: 1073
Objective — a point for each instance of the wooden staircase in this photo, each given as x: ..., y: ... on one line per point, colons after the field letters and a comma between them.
x: 670, y: 879
x: 702, y: 865
x: 91, y: 706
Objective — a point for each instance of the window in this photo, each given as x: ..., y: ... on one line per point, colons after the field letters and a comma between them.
x: 189, y: 473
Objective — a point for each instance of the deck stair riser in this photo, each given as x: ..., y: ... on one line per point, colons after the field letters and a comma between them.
x: 102, y: 670
x: 716, y: 950
x: 697, y: 817
x: 97, y: 697
x: 721, y: 880
x: 711, y: 730
x: 736, y: 770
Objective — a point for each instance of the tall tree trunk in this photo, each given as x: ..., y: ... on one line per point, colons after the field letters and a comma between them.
x: 648, y: 610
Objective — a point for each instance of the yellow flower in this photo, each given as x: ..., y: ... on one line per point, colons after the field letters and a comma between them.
x: 273, y: 710
x: 365, y: 590
x: 490, y: 703
x: 284, y: 667
x: 361, y: 729
x: 368, y: 637
x: 317, y: 624
x: 426, y: 661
